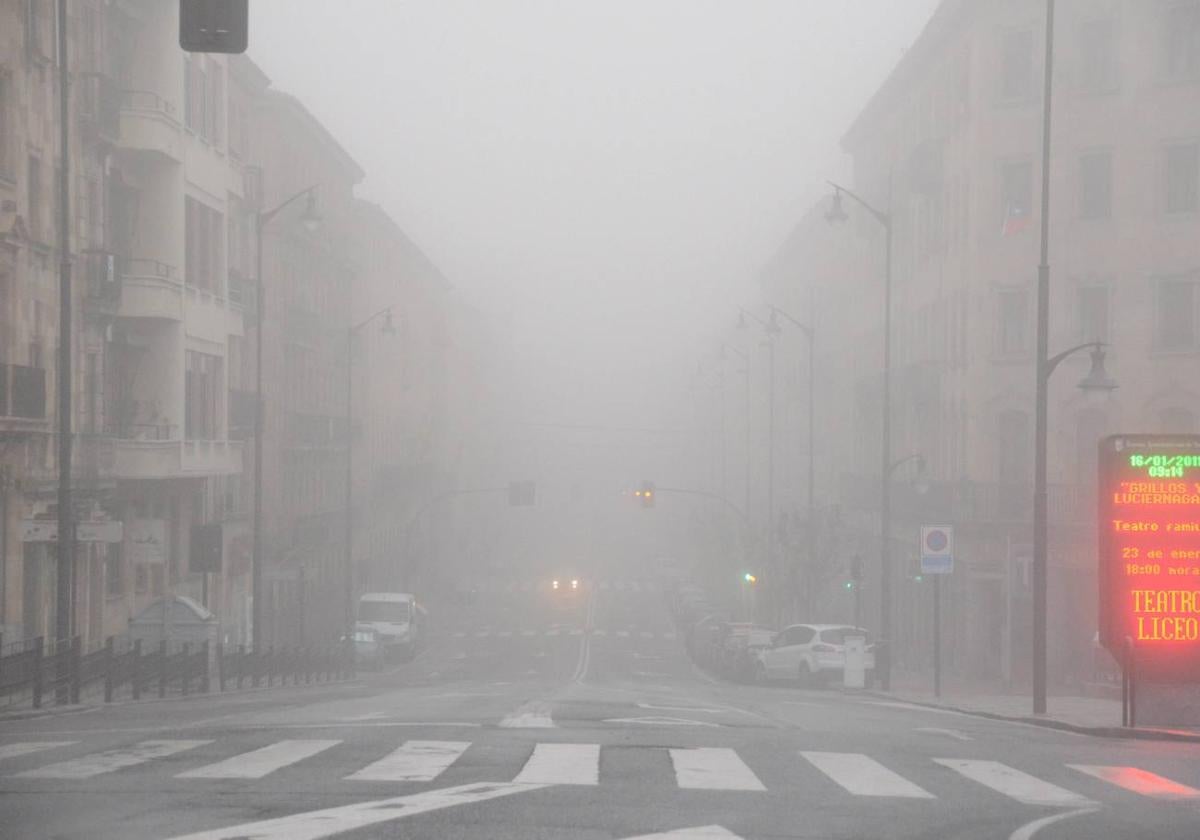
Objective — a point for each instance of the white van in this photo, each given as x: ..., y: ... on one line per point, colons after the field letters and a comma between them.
x: 395, y: 617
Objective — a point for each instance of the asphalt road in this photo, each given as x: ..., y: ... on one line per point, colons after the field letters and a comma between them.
x: 530, y: 715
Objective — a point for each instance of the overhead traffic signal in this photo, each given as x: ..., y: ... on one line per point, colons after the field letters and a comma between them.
x: 750, y: 578
x: 646, y: 494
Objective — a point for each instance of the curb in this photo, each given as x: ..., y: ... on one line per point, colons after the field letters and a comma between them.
x: 1135, y: 734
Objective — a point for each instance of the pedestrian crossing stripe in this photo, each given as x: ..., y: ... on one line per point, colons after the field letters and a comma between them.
x: 702, y: 768
x: 258, y: 763
x: 414, y: 761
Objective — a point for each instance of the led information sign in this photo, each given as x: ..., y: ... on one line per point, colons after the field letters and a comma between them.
x: 1150, y: 552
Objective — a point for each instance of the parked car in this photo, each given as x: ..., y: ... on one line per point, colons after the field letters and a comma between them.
x: 810, y: 653
x: 368, y: 650
x: 396, y: 617
x: 740, y: 645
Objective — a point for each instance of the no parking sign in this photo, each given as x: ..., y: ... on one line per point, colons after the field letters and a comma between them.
x: 937, y: 550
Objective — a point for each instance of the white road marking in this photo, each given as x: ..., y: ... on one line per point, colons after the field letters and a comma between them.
x: 415, y: 761
x: 258, y: 763
x: 949, y: 733
x: 663, y: 721
x: 576, y: 632
x: 1015, y: 784
x: 646, y: 634
x: 532, y: 715
x: 624, y: 634
x: 713, y: 768
x: 483, y: 634
x: 504, y: 634
x: 680, y: 708
x: 315, y: 825
x: 460, y: 635
x: 599, y: 632
x: 1139, y: 781
x: 1026, y: 832
x: 561, y: 764
x: 528, y: 632
x: 669, y: 635
x: 635, y: 586
x: 553, y: 631
x: 26, y: 748
x: 110, y: 760
x: 864, y: 776
x: 704, y: 832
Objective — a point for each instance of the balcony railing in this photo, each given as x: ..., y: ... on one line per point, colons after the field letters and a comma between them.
x: 146, y: 100
x: 141, y: 431
x: 103, y: 281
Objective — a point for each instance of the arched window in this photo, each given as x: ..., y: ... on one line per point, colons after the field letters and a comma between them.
x: 1013, y: 453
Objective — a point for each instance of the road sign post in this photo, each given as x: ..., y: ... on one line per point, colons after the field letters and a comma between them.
x: 937, y: 559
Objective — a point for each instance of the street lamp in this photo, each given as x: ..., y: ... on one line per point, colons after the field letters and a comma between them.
x: 1097, y: 381
x: 810, y: 334
x: 725, y: 350
x: 837, y: 215
x: 387, y: 328
x: 311, y: 221
x: 771, y: 328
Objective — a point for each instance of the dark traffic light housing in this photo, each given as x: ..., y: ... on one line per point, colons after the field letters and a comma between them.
x: 214, y: 26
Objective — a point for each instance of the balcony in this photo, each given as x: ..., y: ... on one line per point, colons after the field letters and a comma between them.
x: 155, y: 451
x: 150, y: 289
x: 149, y: 124
x: 22, y: 398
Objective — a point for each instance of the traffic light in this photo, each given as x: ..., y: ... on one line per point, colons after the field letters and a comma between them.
x: 750, y: 578
x: 646, y: 494
x: 214, y: 26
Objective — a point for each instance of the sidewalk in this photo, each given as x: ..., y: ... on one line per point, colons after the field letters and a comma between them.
x: 1098, y: 716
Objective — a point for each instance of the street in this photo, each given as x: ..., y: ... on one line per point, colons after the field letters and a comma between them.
x: 527, y: 715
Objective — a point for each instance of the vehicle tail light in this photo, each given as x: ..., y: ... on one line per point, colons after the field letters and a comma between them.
x: 824, y: 649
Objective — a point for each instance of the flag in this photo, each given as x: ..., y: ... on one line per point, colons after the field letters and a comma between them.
x: 1016, y: 219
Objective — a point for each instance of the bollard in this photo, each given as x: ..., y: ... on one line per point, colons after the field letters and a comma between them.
x: 241, y: 664
x: 76, y: 653
x: 204, y: 660
x: 108, y: 669
x: 137, y: 669
x: 270, y: 663
x: 162, y: 668
x: 38, y: 649
x: 220, y: 667
x: 187, y: 668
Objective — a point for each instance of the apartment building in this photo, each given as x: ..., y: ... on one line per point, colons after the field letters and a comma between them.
x: 950, y: 144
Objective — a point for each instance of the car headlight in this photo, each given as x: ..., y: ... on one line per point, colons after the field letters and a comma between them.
x: 555, y: 584
x: 574, y: 584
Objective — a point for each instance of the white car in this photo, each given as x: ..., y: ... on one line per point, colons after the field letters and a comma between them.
x: 396, y: 619
x: 809, y: 652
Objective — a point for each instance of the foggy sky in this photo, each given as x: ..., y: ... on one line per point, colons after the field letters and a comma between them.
x: 609, y: 175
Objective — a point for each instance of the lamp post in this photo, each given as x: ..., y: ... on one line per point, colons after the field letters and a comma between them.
x: 725, y: 350
x: 1097, y: 381
x: 348, y: 564
x: 772, y: 330
x: 837, y: 215
x: 810, y: 334
x: 311, y: 221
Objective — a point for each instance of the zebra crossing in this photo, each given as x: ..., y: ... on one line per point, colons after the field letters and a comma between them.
x: 580, y: 764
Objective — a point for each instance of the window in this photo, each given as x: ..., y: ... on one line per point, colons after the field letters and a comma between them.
x: 1012, y: 448
x: 1097, y: 56
x: 1093, y: 313
x: 203, y: 230
x: 1183, y: 178
x: 1176, y: 315
x: 1095, y: 185
x: 1016, y: 194
x: 114, y: 571
x: 1016, y: 81
x: 1183, y: 40
x: 33, y: 204
x: 1012, y: 327
x: 203, y: 94
x: 6, y: 124
x: 202, y: 380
